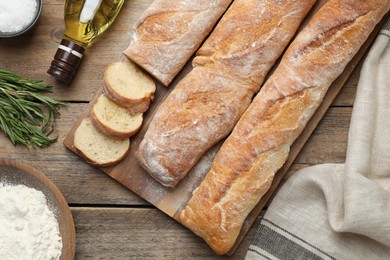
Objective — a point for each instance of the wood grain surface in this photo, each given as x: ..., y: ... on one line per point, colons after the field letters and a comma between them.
x: 112, y: 222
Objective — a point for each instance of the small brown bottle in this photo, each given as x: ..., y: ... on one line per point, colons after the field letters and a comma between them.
x: 85, y: 20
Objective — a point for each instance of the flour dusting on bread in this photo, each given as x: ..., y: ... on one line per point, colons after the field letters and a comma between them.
x: 169, y: 32
x: 244, y: 167
x: 207, y: 103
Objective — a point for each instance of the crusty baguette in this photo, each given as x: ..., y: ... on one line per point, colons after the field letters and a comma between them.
x: 98, y: 148
x: 169, y: 32
x: 129, y: 86
x: 114, y: 120
x: 259, y: 145
x: 229, y: 69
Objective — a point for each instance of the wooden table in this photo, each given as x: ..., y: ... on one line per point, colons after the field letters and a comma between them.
x: 112, y: 222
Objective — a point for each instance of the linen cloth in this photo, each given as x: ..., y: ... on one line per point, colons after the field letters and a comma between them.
x: 340, y: 211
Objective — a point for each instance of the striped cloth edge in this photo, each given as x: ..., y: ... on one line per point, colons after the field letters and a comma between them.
x: 274, y: 242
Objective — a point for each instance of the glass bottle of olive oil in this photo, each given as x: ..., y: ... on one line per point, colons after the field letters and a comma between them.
x: 84, y: 21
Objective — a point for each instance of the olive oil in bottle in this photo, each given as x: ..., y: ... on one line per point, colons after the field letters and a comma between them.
x: 84, y: 21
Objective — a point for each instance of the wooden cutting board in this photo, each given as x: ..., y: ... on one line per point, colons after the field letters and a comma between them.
x: 171, y: 202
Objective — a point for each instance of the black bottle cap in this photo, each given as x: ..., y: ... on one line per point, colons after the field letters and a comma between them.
x: 66, y: 60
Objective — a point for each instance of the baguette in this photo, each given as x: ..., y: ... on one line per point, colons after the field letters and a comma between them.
x: 97, y: 148
x: 169, y: 32
x: 244, y: 167
x: 128, y: 86
x: 114, y: 120
x: 228, y: 70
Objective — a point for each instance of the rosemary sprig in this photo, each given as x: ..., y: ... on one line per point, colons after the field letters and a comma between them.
x: 26, y: 115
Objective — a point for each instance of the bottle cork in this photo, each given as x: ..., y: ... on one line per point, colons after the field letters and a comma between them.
x: 66, y: 60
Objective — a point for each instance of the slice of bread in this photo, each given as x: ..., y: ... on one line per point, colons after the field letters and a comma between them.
x: 129, y: 86
x: 114, y: 120
x: 98, y: 148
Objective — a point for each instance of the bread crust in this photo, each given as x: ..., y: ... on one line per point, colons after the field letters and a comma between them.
x: 93, y: 162
x: 108, y: 129
x: 228, y: 70
x: 134, y: 105
x: 169, y: 32
x: 171, y: 147
x: 244, y: 167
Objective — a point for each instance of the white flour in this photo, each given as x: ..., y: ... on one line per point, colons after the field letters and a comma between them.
x: 28, y: 228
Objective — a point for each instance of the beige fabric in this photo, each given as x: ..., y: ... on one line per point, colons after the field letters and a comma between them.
x: 340, y: 211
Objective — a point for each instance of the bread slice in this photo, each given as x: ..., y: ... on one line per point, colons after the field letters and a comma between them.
x: 114, y: 120
x: 98, y: 148
x: 129, y: 86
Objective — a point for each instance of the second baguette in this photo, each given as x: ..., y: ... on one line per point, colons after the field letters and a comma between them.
x: 244, y: 167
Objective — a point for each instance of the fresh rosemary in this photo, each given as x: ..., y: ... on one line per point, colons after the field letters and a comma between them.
x: 27, y: 116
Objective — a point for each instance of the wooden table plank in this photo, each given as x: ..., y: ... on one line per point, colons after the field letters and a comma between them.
x: 107, y: 233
